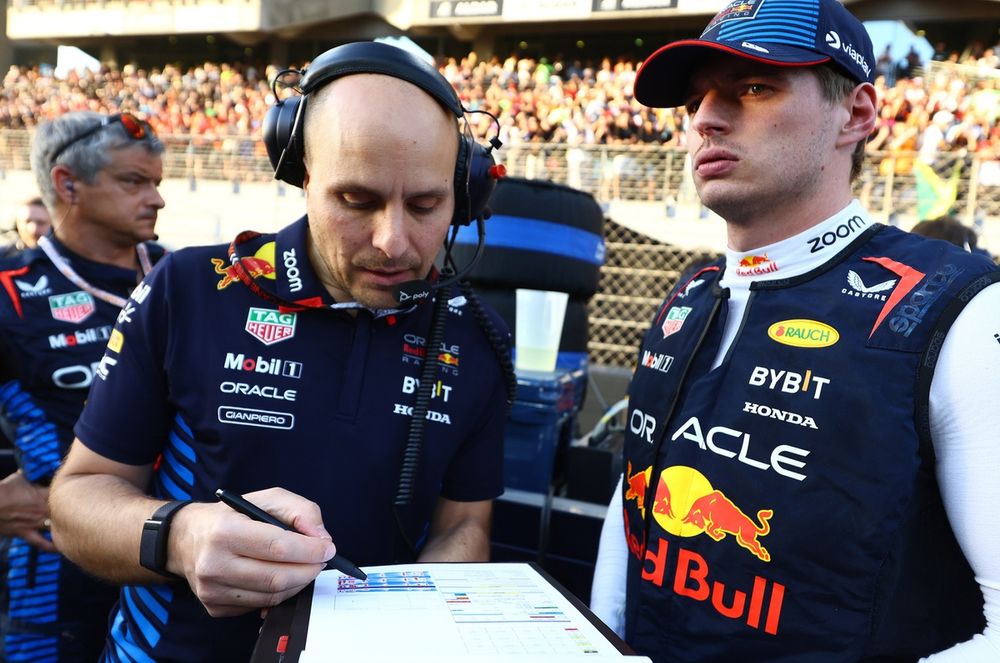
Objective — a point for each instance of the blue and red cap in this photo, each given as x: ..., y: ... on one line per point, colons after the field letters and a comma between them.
x: 795, y: 33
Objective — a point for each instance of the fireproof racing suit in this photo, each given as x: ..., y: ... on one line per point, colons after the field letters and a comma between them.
x: 230, y: 391
x: 52, y: 335
x: 780, y: 496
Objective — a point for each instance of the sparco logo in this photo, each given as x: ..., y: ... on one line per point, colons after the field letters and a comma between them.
x: 830, y: 237
x: 912, y: 313
x: 283, y: 367
x: 834, y: 41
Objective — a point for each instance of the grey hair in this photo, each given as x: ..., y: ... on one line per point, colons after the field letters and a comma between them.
x: 86, y: 157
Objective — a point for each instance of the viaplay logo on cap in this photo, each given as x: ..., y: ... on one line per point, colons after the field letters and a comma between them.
x: 834, y: 41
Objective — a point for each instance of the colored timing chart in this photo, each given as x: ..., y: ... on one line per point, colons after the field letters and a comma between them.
x: 448, y: 612
x: 388, y: 581
x: 509, y: 615
x: 396, y: 590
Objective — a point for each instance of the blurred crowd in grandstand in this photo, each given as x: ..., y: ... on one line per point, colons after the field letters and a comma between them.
x: 951, y: 106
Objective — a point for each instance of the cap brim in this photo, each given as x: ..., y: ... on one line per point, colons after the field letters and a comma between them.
x: 663, y: 79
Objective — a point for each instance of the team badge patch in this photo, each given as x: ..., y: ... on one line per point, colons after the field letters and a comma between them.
x: 737, y: 9
x: 675, y: 320
x: 72, y: 307
x: 269, y: 326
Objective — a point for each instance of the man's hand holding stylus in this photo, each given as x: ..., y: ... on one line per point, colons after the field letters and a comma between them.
x: 234, y: 564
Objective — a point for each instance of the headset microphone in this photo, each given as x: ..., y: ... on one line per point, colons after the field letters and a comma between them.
x: 412, y: 292
x: 409, y: 293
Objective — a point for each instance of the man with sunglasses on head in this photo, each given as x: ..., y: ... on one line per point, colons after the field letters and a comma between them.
x: 813, y: 476
x: 98, y: 175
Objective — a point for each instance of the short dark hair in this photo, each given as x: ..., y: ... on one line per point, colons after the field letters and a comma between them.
x: 949, y: 229
x: 835, y: 85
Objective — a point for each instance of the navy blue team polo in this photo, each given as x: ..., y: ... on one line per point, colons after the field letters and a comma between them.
x: 52, y: 336
x: 232, y: 392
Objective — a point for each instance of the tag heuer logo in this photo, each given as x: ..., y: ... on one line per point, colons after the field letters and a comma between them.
x: 72, y: 307
x: 269, y: 326
x: 675, y: 320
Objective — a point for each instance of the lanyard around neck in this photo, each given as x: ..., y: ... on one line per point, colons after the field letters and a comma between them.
x: 145, y: 266
x: 284, y: 305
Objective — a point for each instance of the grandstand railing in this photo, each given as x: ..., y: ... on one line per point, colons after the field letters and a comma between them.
x: 609, y: 172
x: 639, y: 270
x: 970, y: 73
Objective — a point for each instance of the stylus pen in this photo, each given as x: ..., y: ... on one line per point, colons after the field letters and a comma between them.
x: 254, y: 512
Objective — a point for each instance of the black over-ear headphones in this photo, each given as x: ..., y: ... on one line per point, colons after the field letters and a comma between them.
x: 284, y: 122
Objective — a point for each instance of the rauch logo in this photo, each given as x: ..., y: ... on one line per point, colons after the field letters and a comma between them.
x: 803, y: 333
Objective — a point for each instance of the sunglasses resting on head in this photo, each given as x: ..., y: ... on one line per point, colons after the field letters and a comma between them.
x: 134, y: 127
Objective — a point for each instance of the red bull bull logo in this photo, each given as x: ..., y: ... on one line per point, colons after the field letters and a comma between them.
x: 717, y: 516
x: 755, y: 266
x: 753, y: 261
x: 637, y: 484
x: 740, y: 9
x: 448, y: 358
x: 686, y: 504
x: 260, y: 264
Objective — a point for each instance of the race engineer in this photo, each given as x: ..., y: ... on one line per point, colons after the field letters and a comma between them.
x: 811, y: 454
x: 295, y: 370
x: 98, y: 174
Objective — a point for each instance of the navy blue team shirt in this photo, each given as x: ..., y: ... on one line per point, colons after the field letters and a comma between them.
x: 52, y: 337
x: 222, y: 389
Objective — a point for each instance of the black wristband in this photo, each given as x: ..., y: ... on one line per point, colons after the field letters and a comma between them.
x: 153, y: 544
